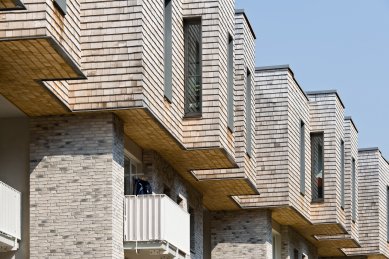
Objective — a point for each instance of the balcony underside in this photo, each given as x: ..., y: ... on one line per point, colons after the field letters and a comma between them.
x: 8, y: 243
x: 142, y: 127
x: 8, y: 5
x: 24, y: 64
x: 152, y: 249
x: 286, y: 215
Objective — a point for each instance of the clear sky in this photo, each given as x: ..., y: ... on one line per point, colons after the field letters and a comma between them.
x: 332, y: 44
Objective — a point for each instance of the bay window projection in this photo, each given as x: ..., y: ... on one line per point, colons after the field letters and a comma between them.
x: 317, y: 165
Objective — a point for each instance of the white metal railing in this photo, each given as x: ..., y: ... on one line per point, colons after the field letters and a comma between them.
x: 156, y: 217
x: 10, y: 211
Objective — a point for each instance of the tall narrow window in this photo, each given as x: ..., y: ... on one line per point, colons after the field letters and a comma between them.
x: 353, y: 191
x: 61, y: 6
x: 302, y: 157
x: 342, y: 174
x: 132, y: 171
x: 192, y: 30
x: 248, y: 114
x: 295, y: 254
x: 192, y: 230
x: 317, y: 164
x: 276, y: 245
x: 230, y: 75
x: 168, y: 53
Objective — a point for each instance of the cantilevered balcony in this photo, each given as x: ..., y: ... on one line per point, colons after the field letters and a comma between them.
x: 10, y: 218
x: 154, y: 225
x: 39, y: 45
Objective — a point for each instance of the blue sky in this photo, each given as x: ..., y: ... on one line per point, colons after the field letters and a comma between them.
x: 332, y: 44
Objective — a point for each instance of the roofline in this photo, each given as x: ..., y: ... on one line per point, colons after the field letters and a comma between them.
x: 241, y: 11
x: 283, y: 67
x: 373, y: 149
x: 327, y: 92
x: 368, y: 149
x: 352, y: 122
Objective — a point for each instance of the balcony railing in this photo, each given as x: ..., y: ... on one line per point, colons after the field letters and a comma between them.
x: 155, y: 222
x: 10, y: 216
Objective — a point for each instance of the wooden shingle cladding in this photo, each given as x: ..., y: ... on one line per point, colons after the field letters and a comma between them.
x: 41, y: 44
x: 373, y: 183
x: 281, y: 106
x: 327, y: 116
x: 123, y: 57
x: 244, y: 45
x: 351, y: 153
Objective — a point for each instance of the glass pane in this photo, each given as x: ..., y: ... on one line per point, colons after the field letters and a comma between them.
x: 127, y: 177
x: 317, y: 157
x: 192, y: 67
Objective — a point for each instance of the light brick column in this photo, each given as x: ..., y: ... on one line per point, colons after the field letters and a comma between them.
x: 243, y: 234
x: 76, y: 187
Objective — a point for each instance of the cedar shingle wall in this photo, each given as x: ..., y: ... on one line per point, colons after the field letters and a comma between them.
x: 244, y: 61
x: 298, y: 110
x: 370, y: 203
x: 351, y: 151
x: 327, y: 115
x: 271, y: 103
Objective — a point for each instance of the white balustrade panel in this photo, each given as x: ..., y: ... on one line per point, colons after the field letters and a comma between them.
x: 156, y: 217
x: 10, y: 211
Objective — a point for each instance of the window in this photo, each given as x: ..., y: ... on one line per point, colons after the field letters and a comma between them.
x: 248, y: 114
x: 342, y: 173
x: 295, y: 254
x: 192, y: 230
x: 132, y: 170
x: 276, y: 245
x: 302, y: 157
x: 230, y: 75
x: 168, y: 53
x: 353, y: 190
x: 61, y: 6
x: 317, y: 164
x: 192, y: 30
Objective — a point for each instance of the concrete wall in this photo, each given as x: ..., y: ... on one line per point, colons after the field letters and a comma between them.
x: 241, y: 234
x: 14, y: 171
x: 76, y: 187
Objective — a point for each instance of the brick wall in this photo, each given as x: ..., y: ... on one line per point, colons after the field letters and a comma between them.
x: 161, y: 175
x: 291, y: 241
x: 76, y: 187
x: 241, y: 234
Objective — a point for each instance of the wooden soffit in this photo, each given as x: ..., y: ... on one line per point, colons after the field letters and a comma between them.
x: 24, y: 64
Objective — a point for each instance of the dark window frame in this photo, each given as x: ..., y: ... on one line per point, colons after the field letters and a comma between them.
x: 248, y: 113
x: 193, y: 21
x: 61, y: 5
x: 322, y: 165
x: 230, y: 83
x: 168, y: 51
x: 302, y: 158
x: 342, y: 174
x: 353, y: 190
x: 192, y: 222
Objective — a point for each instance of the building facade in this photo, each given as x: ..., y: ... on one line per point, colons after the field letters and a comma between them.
x: 143, y: 129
